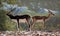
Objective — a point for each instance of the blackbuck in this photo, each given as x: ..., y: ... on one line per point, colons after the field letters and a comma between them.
x: 41, y: 18
x: 17, y: 17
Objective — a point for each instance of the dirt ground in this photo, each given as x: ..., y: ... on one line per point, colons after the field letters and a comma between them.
x: 28, y: 33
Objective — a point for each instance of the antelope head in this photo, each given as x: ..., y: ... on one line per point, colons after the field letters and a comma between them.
x: 51, y: 12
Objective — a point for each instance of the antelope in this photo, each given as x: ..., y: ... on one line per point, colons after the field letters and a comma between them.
x: 43, y: 18
x: 17, y: 17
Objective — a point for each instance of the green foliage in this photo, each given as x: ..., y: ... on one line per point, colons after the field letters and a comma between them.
x: 5, y: 22
x: 11, y: 1
x: 2, y: 20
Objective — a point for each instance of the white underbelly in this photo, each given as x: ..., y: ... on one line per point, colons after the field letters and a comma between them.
x: 20, y: 20
x: 39, y: 20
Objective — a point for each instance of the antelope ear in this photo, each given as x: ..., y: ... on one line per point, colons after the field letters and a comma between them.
x: 49, y: 11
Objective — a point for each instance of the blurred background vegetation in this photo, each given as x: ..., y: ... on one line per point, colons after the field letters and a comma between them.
x: 34, y: 5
